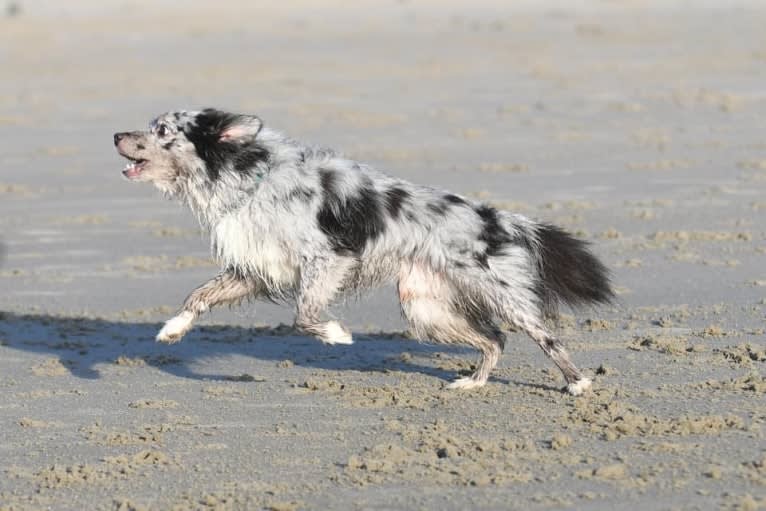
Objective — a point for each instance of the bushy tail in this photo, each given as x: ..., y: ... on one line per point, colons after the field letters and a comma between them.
x: 569, y: 272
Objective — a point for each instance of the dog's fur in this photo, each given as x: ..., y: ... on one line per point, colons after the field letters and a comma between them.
x: 288, y: 221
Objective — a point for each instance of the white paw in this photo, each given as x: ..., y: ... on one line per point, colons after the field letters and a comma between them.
x: 466, y: 383
x: 578, y: 387
x: 175, y: 328
x: 335, y: 333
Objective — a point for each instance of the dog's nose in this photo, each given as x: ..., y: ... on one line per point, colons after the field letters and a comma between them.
x: 118, y: 137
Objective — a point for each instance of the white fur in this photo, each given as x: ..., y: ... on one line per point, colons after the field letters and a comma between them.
x: 465, y: 383
x: 176, y: 327
x: 335, y: 333
x: 579, y: 387
x: 240, y: 243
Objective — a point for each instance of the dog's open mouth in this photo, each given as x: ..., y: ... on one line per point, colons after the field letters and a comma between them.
x: 134, y: 167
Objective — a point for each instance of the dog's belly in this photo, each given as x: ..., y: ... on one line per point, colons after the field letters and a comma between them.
x: 250, y: 251
x: 270, y: 262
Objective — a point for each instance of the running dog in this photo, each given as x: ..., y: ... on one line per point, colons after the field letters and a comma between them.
x: 293, y: 222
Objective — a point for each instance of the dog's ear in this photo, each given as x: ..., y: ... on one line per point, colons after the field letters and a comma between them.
x: 241, y: 127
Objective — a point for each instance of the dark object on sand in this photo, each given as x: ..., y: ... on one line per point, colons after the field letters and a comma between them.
x: 13, y: 9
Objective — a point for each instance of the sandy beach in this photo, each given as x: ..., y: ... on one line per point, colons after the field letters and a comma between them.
x: 638, y: 125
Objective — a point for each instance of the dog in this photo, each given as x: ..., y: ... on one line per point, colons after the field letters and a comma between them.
x: 289, y: 221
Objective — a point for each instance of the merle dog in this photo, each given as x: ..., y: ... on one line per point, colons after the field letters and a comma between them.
x: 289, y: 221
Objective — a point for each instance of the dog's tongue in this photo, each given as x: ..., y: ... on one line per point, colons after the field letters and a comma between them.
x: 133, y: 169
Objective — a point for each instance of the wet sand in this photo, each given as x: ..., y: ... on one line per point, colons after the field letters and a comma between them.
x: 637, y: 125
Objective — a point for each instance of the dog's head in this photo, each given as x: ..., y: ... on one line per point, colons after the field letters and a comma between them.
x: 180, y: 145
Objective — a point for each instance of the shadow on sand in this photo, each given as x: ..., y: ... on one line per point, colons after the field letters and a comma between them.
x: 82, y: 344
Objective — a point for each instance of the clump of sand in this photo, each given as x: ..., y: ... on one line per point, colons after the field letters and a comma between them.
x: 613, y: 471
x: 437, y: 453
x: 752, y: 382
x: 378, y: 396
x: 682, y: 236
x: 114, y: 467
x: 147, y: 434
x: 743, y: 354
x: 223, y: 392
x: 158, y: 404
x: 130, y: 361
x: 611, y: 418
x: 671, y: 345
x: 26, y: 422
x: 50, y: 367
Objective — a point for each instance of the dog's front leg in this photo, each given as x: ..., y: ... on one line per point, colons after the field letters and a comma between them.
x: 321, y: 278
x: 224, y: 288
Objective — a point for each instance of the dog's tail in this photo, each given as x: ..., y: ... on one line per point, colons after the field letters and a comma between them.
x: 569, y: 272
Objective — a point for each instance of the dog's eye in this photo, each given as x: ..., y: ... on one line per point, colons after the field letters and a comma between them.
x: 162, y: 130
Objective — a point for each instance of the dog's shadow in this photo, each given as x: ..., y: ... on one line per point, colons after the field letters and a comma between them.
x: 85, y: 345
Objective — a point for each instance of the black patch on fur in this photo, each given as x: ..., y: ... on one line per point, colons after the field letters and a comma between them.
x: 327, y: 182
x: 300, y: 193
x: 205, y: 134
x: 244, y: 161
x: 482, y: 259
x: 395, y: 198
x: 454, y: 199
x: 570, y: 272
x: 168, y: 145
x: 140, y: 147
x: 351, y: 221
x: 438, y: 208
x: 492, y: 233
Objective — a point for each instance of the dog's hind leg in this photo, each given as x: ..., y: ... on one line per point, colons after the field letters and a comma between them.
x: 554, y: 348
x: 429, y: 305
x: 321, y: 279
x: 224, y: 288
x: 490, y: 354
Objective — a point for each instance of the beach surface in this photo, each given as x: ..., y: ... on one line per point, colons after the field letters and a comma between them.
x: 638, y: 125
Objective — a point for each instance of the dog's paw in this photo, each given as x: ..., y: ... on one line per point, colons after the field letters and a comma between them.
x: 335, y: 333
x: 175, y: 328
x: 465, y: 383
x: 577, y: 388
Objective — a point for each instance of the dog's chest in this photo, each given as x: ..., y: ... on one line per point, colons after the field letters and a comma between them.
x: 247, y: 247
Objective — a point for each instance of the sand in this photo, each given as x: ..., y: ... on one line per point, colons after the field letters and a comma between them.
x: 636, y: 124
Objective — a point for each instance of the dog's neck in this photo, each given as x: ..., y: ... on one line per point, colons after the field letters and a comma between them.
x: 213, y: 199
